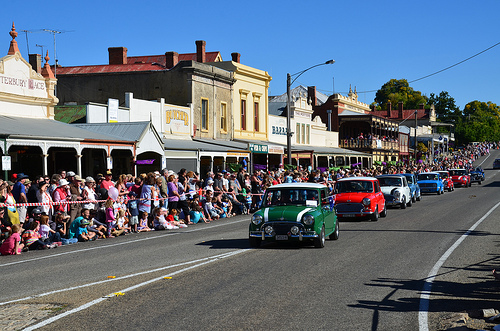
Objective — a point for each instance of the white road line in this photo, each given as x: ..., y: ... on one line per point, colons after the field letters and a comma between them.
x: 38, y: 258
x: 94, y: 302
x: 114, y: 279
x: 423, y: 310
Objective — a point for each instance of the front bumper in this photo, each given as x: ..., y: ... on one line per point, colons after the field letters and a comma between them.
x: 282, y: 232
x: 352, y: 210
x: 390, y: 200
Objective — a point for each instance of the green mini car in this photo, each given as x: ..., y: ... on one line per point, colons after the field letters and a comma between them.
x: 295, y: 212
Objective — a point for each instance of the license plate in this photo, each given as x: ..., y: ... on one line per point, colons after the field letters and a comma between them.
x: 281, y: 237
x: 349, y: 215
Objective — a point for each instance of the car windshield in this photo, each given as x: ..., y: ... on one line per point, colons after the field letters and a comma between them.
x: 291, y: 196
x: 353, y: 186
x: 444, y: 175
x: 457, y: 172
x: 389, y: 181
x: 428, y: 177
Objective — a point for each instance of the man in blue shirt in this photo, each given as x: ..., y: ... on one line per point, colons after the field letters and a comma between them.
x: 19, y: 193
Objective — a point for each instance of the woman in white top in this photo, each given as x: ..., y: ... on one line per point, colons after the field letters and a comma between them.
x: 44, y: 197
x: 88, y: 193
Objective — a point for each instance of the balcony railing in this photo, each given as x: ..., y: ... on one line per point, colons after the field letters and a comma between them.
x: 369, y: 144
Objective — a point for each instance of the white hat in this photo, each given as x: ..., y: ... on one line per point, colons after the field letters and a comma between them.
x: 210, y: 181
x: 70, y: 174
x: 89, y: 179
x: 63, y: 182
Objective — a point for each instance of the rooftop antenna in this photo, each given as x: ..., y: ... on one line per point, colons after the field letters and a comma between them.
x: 41, y: 46
x: 54, y: 32
x: 27, y: 44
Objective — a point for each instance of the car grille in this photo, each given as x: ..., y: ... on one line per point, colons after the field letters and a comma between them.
x: 282, y: 228
x: 428, y: 185
x: 349, y: 208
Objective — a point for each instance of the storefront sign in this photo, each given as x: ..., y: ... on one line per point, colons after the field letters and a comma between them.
x: 112, y: 110
x: 6, y: 163
x: 279, y: 130
x: 145, y: 161
x: 177, y: 120
x: 256, y: 148
x: 276, y: 150
x: 30, y: 84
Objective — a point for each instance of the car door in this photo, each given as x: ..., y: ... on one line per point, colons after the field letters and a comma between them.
x: 379, y: 196
x: 328, y: 210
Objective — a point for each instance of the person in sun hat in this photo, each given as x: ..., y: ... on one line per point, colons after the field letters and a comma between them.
x: 62, y: 194
x: 107, y: 182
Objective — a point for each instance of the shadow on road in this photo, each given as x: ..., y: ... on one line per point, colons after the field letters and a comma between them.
x: 225, y: 243
x: 474, y: 288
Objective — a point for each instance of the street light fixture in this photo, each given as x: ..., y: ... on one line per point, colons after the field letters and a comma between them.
x: 289, y: 83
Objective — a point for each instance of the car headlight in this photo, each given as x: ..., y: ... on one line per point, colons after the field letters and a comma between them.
x: 294, y: 230
x: 308, y: 219
x: 269, y: 230
x: 366, y: 202
x: 257, y: 219
x: 397, y: 194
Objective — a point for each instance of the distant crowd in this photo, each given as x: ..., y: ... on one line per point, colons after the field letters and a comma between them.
x: 49, y: 211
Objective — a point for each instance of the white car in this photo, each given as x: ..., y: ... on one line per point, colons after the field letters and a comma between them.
x: 396, y: 190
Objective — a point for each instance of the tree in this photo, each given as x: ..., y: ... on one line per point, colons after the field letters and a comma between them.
x: 397, y: 90
x: 480, y: 122
x: 446, y: 109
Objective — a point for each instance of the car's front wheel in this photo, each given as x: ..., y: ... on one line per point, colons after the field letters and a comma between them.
x: 410, y: 202
x: 254, y: 242
x: 375, y: 215
x: 320, y: 241
x: 335, y: 234
x: 384, y: 212
x: 403, y: 203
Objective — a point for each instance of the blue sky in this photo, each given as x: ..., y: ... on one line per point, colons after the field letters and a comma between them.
x: 371, y: 41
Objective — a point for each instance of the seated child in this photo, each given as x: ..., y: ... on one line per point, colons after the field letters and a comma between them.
x: 159, y: 221
x: 143, y: 223
x: 83, y: 234
x: 31, y: 238
x: 122, y: 221
x: 218, y: 209
x: 196, y: 212
x: 171, y: 219
x: 47, y: 234
x: 12, y: 245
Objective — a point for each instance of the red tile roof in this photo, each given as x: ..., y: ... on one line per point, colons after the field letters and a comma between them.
x: 134, y: 64
x: 407, y: 113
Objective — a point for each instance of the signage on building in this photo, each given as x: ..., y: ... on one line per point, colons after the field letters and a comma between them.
x: 151, y: 161
x: 177, y: 120
x: 279, y: 130
x: 302, y: 114
x: 112, y: 110
x: 256, y: 148
x: 276, y: 149
x: 6, y: 163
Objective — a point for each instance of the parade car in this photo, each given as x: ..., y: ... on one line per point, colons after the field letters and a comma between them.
x: 414, y: 188
x: 447, y: 182
x: 359, y: 197
x: 460, y: 177
x: 496, y: 164
x: 477, y: 175
x: 396, y: 190
x: 430, y: 182
x: 295, y: 212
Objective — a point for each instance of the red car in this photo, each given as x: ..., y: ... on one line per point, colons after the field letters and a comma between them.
x: 460, y: 177
x: 359, y: 197
x: 447, y: 181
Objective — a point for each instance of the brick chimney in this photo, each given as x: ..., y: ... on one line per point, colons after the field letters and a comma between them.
x: 36, y: 62
x: 420, y: 106
x: 236, y: 57
x: 389, y: 109
x: 171, y: 59
x: 400, y: 109
x: 117, y: 55
x: 200, y: 50
x: 311, y: 95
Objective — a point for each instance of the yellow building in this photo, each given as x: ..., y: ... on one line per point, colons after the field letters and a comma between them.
x: 249, y: 101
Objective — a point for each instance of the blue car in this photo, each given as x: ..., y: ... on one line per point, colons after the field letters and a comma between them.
x: 477, y: 175
x: 414, y: 187
x: 430, y: 182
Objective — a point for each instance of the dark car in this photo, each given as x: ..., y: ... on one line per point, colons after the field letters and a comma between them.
x: 496, y: 164
x: 477, y: 175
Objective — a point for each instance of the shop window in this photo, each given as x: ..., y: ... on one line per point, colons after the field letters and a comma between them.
x: 243, y: 114
x: 223, y: 117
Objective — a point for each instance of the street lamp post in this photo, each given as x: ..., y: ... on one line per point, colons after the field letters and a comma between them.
x: 289, y: 83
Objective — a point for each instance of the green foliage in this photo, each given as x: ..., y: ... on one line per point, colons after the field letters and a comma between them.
x: 422, y: 148
x: 446, y: 109
x: 397, y: 90
x: 480, y: 122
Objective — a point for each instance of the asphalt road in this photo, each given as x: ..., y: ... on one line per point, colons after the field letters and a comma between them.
x: 206, y: 277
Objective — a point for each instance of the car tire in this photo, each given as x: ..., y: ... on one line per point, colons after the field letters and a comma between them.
x: 375, y: 215
x: 403, y: 204
x: 410, y: 202
x: 335, y: 234
x: 414, y: 199
x: 254, y: 242
x: 384, y: 212
x: 419, y: 198
x: 320, y: 241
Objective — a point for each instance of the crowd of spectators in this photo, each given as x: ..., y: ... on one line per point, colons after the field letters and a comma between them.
x: 67, y: 208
